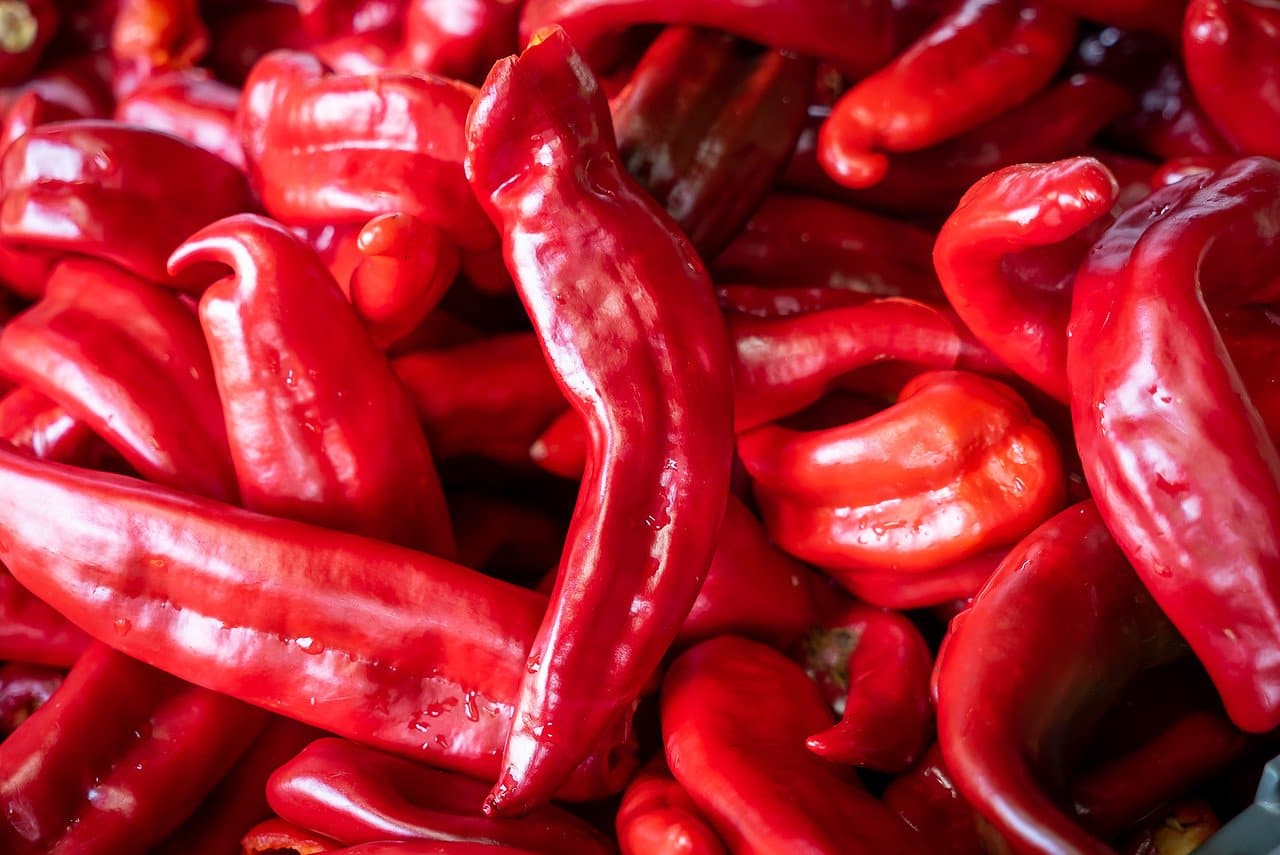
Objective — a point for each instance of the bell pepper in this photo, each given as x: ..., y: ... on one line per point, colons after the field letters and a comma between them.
x: 980, y: 59
x: 657, y: 817
x: 1232, y: 53
x: 706, y: 123
x: 459, y: 38
x: 637, y: 346
x: 23, y: 689
x: 190, y: 104
x: 357, y: 795
x: 1049, y: 210
x: 875, y: 666
x: 26, y: 28
x: 329, y: 627
x: 126, y: 358
x: 319, y: 428
x: 735, y: 715
x: 1017, y: 686
x: 805, y: 241
x: 84, y: 186
x: 1177, y: 456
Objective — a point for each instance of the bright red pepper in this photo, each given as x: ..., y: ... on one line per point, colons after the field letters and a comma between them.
x: 329, y: 627
x: 23, y: 690
x: 459, y: 38
x: 26, y: 28
x: 151, y: 36
x: 1178, y: 458
x: 657, y: 817
x: 927, y: 800
x: 735, y: 715
x: 982, y: 58
x: 190, y: 104
x: 1017, y: 684
x: 706, y: 123
x: 636, y: 342
x: 875, y: 666
x: 357, y: 795
x: 1232, y: 53
x: 780, y: 302
x: 84, y: 187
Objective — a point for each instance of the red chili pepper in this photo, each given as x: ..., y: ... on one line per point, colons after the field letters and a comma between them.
x: 1056, y: 123
x: 927, y: 800
x: 26, y: 28
x: 1017, y: 684
x: 23, y: 690
x: 706, y: 123
x: 358, y: 795
x: 380, y: 144
x: 190, y: 104
x: 319, y: 615
x: 637, y: 346
x: 561, y: 449
x: 1176, y: 455
x: 874, y: 666
x: 459, y: 38
x: 490, y: 397
x: 855, y: 37
x: 1044, y: 210
x: 119, y: 755
x: 84, y: 187
x: 127, y: 359
x: 657, y: 817
x: 804, y: 241
x: 982, y: 58
x: 1232, y: 53
x: 320, y: 430
x: 735, y: 715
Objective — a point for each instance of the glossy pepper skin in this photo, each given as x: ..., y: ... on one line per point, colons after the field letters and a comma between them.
x: 83, y: 187
x: 311, y: 610
x: 26, y: 28
x: 459, y: 38
x: 1178, y: 457
x: 957, y: 467
x: 875, y: 665
x: 319, y: 428
x: 1232, y: 54
x: 706, y: 123
x: 152, y: 36
x: 127, y: 358
x: 927, y: 800
x: 191, y: 104
x: 657, y: 817
x: 625, y: 314
x: 735, y: 715
x: 1042, y: 208
x: 1017, y: 686
x: 980, y: 59
x: 380, y: 143
x: 358, y: 795
x: 24, y: 689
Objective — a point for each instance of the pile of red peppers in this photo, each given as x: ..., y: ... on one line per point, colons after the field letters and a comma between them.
x: 678, y: 427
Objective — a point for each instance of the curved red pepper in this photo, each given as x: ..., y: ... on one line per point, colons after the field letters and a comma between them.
x: 805, y: 241
x: 637, y: 345
x: 957, y: 467
x: 561, y: 449
x: 84, y: 187
x: 856, y: 36
x: 1176, y: 455
x: 190, y: 104
x: 982, y: 58
x: 358, y: 795
x: 26, y: 28
x: 891, y: 589
x: 320, y: 430
x: 1232, y: 53
x: 735, y: 715
x: 706, y: 123
x: 128, y: 359
x: 1016, y: 684
x: 150, y: 36
x: 1045, y: 208
x: 342, y: 148
x: 927, y: 800
x: 657, y: 817
x: 459, y: 38
x: 30, y: 110
x: 329, y: 628
x: 782, y: 302
x: 875, y: 666
x: 490, y: 397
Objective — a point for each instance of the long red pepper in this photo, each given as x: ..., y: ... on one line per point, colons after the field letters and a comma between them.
x: 1180, y: 462
x: 638, y: 348
x: 324, y: 627
x: 320, y: 429
x: 735, y: 715
x: 1017, y: 685
x: 190, y: 104
x: 657, y: 817
x: 358, y: 795
x: 980, y: 59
